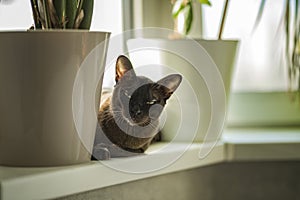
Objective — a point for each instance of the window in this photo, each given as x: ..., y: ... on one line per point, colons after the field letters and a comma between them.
x: 260, y: 81
x: 258, y: 65
x: 17, y: 15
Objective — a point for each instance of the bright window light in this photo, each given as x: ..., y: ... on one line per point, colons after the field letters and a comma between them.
x: 17, y: 15
x: 258, y: 66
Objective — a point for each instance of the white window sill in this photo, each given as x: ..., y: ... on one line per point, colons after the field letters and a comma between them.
x: 237, y: 145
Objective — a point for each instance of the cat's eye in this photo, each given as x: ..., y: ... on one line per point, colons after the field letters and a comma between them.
x: 151, y: 102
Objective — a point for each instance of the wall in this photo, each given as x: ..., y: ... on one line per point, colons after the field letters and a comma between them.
x: 227, y: 181
x: 154, y: 13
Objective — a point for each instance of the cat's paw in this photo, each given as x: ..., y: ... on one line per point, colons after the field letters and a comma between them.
x: 101, y: 152
x: 157, y: 137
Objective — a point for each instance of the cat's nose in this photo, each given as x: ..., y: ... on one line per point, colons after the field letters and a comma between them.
x: 138, y: 112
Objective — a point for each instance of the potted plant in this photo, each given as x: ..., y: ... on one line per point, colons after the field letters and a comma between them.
x: 50, y: 78
x: 184, y: 8
x: 62, y: 14
x: 222, y: 53
x: 185, y: 11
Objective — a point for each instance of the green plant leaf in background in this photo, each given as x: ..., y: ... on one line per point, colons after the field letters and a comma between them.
x: 260, y: 12
x: 177, y: 8
x: 188, y: 15
x: 291, y: 29
x: 206, y: 2
x: 295, y: 59
x: 185, y: 7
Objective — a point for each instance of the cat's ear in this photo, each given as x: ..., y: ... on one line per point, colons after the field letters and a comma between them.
x: 169, y: 84
x: 123, y: 66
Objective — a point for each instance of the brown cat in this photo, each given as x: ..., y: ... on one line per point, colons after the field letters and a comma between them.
x: 129, y: 118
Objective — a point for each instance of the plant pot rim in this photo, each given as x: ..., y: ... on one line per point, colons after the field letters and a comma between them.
x: 189, y: 39
x: 213, y: 40
x: 52, y: 31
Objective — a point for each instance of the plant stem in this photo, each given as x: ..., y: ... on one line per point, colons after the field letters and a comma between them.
x: 287, y: 41
x: 296, y: 49
x: 36, y: 14
x: 79, y: 14
x: 223, y: 20
x: 47, y: 15
x: 79, y: 7
x: 298, y: 82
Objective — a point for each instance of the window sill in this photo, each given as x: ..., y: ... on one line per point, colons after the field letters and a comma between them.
x: 272, y: 144
x: 270, y: 109
x: 237, y: 145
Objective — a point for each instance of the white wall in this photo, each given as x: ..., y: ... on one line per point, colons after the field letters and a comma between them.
x: 15, y: 16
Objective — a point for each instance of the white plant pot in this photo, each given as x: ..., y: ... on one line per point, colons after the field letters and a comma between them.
x: 50, y: 84
x: 190, y: 116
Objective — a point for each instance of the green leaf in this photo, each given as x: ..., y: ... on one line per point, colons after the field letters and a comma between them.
x: 71, y: 13
x: 188, y: 17
x: 260, y: 12
x: 287, y: 40
x: 79, y: 7
x: 206, y: 2
x: 296, y: 13
x: 60, y: 7
x: 88, y: 7
x: 177, y: 8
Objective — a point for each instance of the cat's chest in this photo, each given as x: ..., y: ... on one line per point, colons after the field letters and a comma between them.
x: 122, y: 133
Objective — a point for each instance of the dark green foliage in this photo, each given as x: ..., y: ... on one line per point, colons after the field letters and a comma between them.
x: 62, y: 14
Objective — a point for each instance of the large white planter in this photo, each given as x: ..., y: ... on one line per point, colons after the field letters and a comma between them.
x: 199, y: 111
x: 50, y: 83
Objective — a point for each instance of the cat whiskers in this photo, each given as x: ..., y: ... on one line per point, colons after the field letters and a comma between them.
x: 108, y: 116
x: 153, y: 126
x: 123, y: 124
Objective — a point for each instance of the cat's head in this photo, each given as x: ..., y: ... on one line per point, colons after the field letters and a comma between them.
x: 137, y: 98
